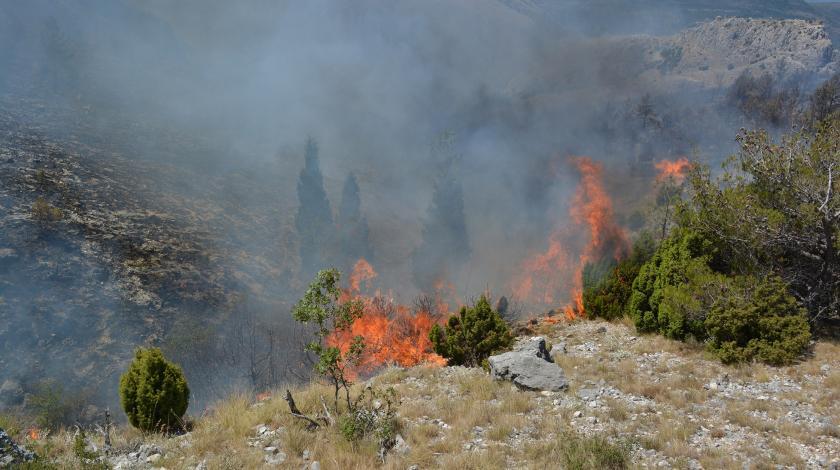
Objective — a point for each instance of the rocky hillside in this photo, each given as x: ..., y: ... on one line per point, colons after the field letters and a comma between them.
x: 640, y: 402
x: 716, y: 53
x: 131, y: 247
x: 652, y: 16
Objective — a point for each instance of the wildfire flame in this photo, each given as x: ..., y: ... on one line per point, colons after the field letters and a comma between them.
x: 34, y: 434
x: 672, y: 169
x: 556, y: 274
x: 393, y: 333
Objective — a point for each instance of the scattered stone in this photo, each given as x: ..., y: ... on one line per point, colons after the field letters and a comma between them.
x: 307, y: 454
x: 578, y: 414
x: 400, y: 446
x: 315, y: 466
x: 153, y: 458
x: 529, y: 366
x: 588, y: 394
x: 11, y: 453
x: 275, y: 458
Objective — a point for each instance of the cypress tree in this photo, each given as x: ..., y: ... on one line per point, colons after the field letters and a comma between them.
x: 445, y: 247
x: 314, y: 220
x: 352, y: 225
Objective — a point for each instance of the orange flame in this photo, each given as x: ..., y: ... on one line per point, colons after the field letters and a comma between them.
x: 672, y: 169
x: 34, y: 434
x: 263, y: 396
x: 393, y: 333
x: 362, y: 272
x: 555, y: 274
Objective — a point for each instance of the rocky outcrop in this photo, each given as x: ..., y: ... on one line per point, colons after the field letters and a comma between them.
x: 529, y: 366
x: 11, y: 453
x: 717, y: 52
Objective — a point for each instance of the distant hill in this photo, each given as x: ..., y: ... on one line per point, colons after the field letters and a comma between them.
x: 654, y: 16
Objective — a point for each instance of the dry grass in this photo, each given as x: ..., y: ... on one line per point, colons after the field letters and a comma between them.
x: 525, y: 429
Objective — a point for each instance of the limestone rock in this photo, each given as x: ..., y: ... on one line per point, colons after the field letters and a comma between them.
x: 529, y: 366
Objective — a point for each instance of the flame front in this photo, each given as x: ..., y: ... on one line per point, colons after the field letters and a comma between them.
x: 393, y: 333
x: 34, y: 434
x: 672, y: 169
x: 556, y: 274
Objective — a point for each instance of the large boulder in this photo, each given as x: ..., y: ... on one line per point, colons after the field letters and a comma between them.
x: 529, y: 366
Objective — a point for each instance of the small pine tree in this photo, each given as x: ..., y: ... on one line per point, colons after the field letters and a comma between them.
x: 352, y: 225
x: 471, y: 336
x: 314, y: 221
x: 154, y: 392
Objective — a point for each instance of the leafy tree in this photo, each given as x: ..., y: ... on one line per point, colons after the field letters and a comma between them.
x: 154, y: 392
x: 762, y: 101
x: 776, y: 209
x: 607, y: 287
x: 445, y: 245
x: 471, y: 336
x: 320, y: 307
x: 825, y: 101
x: 352, y: 225
x: 314, y: 220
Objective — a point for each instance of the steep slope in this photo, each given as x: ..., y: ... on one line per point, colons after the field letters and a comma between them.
x: 136, y: 247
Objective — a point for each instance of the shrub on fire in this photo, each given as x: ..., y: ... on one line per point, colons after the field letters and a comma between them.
x: 154, y: 392
x: 472, y: 336
x: 371, y: 412
x: 607, y: 286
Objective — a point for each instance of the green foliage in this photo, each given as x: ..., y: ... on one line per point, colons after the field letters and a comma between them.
x: 374, y: 415
x: 154, y: 392
x: 742, y: 318
x: 88, y: 459
x: 320, y: 307
x: 607, y: 291
x: 776, y: 209
x: 759, y: 320
x: 471, y: 336
x: 12, y: 424
x: 592, y: 453
x: 54, y: 406
x: 762, y: 101
x: 42, y: 211
x: 666, y: 268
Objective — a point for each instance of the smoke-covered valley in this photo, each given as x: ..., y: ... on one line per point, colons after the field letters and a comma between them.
x: 174, y: 151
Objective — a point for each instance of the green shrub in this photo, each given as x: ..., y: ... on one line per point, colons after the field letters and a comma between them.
x: 42, y: 211
x: 373, y: 415
x: 666, y: 268
x: 154, y: 392
x: 607, y: 291
x: 471, y: 336
x: 592, y: 453
x: 88, y: 459
x: 53, y: 406
x: 760, y: 321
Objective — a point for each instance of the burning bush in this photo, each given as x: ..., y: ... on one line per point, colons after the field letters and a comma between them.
x: 607, y: 288
x: 154, y: 392
x: 471, y: 336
